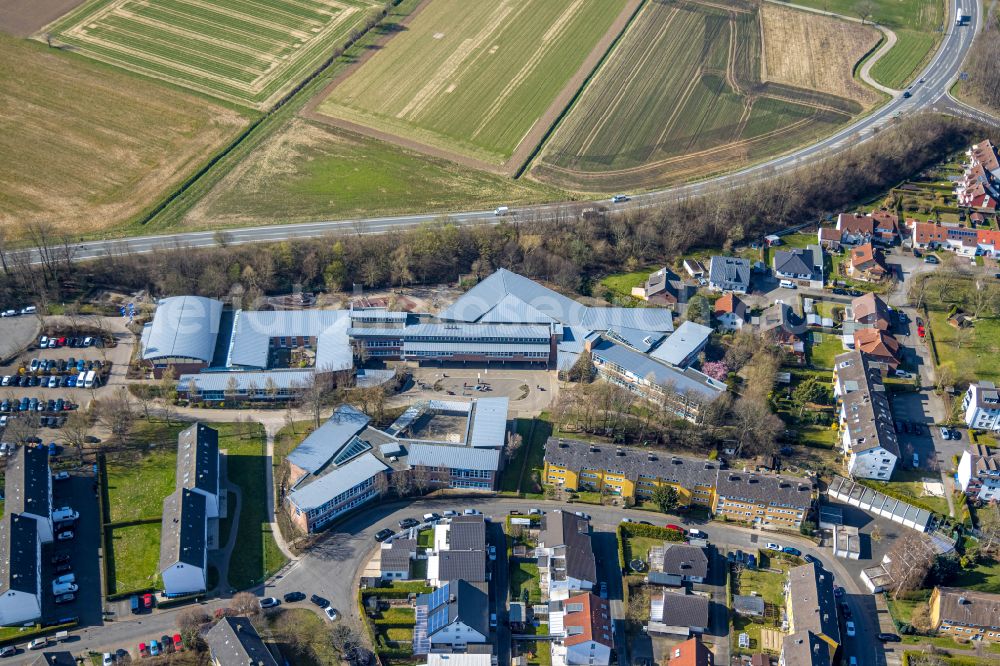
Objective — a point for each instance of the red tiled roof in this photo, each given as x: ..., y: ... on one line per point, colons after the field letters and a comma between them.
x: 877, y: 343
x: 691, y: 652
x: 886, y: 221
x: 866, y: 258
x: 869, y: 304
x: 729, y: 302
x: 855, y: 224
x: 594, y: 619
x: 928, y: 232
x: 985, y: 153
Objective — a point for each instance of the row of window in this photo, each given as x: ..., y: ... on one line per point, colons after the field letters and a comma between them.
x: 472, y: 473
x: 492, y: 354
x: 342, y: 497
x: 357, y: 501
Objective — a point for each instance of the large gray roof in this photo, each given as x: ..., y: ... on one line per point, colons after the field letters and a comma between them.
x: 693, y: 384
x: 467, y: 533
x: 804, y: 648
x: 561, y: 529
x: 866, y: 404
x: 779, y: 491
x: 185, y: 327
x: 456, y: 457
x: 198, y: 459
x: 682, y: 343
x: 28, y: 482
x: 726, y: 270
x: 18, y: 553
x: 397, y: 555
x: 685, y: 610
x: 183, y: 529
x: 461, y: 600
x: 576, y: 455
x: 489, y: 423
x: 320, y: 447
x: 813, y: 604
x: 511, y: 298
x: 467, y: 565
x: 253, y: 330
x: 235, y: 642
x: 684, y: 560
x: 314, y: 492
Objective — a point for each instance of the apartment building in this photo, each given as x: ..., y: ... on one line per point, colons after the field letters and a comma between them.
x: 978, y: 473
x: 763, y: 499
x: 981, y: 406
x: 811, y: 606
x: 868, y: 434
x: 566, y: 562
x: 973, y: 616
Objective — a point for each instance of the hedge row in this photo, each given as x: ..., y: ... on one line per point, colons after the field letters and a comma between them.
x: 38, y: 631
x: 179, y: 601
x: 652, y: 531
x: 391, y: 593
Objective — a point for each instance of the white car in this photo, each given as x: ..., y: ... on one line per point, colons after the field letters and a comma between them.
x: 903, y: 374
x: 772, y: 546
x: 269, y: 602
x: 107, y: 659
x: 331, y: 613
x: 60, y: 476
x: 6, y: 380
x: 851, y: 631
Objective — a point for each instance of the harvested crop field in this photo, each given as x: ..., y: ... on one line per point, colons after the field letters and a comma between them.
x: 477, y: 79
x: 244, y: 51
x: 815, y: 52
x: 23, y: 18
x: 642, y: 124
x: 90, y: 147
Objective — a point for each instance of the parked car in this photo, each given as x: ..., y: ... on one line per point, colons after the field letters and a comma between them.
x: 294, y: 596
x: 67, y: 598
x: 154, y: 648
x: 147, y: 601
x: 331, y: 613
x: 772, y: 546
x: 269, y: 602
x: 59, y: 559
x: 889, y: 638
x: 107, y: 659
x: 65, y: 535
x: 838, y: 591
x: 945, y: 433
x: 792, y: 551
x: 382, y: 535
x: 810, y: 559
x: 492, y: 552
x: 319, y: 601
x: 38, y: 643
x: 671, y: 526
x: 931, y: 259
x: 407, y: 523
x: 851, y: 631
x: 8, y: 651
x: 603, y: 591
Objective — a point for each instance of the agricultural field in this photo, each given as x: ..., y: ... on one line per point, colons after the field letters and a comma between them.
x: 641, y: 124
x: 477, y: 80
x: 815, y: 52
x: 245, y: 51
x: 95, y: 146
x: 310, y: 171
x: 918, y: 25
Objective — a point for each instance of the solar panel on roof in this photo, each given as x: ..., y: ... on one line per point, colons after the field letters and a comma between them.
x: 437, y: 620
x: 438, y: 597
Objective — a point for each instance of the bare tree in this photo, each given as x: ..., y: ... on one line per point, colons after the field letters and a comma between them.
x: 514, y: 442
x: 963, y: 336
x: 401, y: 484
x: 75, y: 431
x: 989, y: 527
x: 115, y: 412
x: 245, y: 603
x: 21, y: 427
x: 908, y: 562
x: 421, y: 479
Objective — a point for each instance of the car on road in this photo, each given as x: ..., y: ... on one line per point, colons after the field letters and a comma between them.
x: 916, y: 460
x: 450, y: 513
x: 382, y: 535
x: 695, y: 533
x: 471, y: 512
x: 792, y: 551
x: 319, y: 601
x: 292, y: 597
x: 38, y: 643
x: 583, y: 515
x: 851, y: 631
x: 331, y: 613
x: 107, y: 659
x: 492, y: 552
x: 8, y: 651
x: 931, y: 259
x: 67, y: 598
x: 65, y: 535
x: 269, y: 602
x: 945, y: 432
x: 407, y: 523
x: 619, y: 198
x: 671, y: 526
x: 838, y: 591
x: 840, y: 292
x: 845, y: 610
x: 772, y: 546
x: 907, y: 94
x: 811, y: 560
x: 855, y: 292
x: 603, y: 593
x: 60, y: 476
x: 889, y: 638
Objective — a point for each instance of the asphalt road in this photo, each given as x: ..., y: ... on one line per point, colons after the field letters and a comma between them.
x: 931, y: 94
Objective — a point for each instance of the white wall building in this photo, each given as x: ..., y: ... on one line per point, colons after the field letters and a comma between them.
x: 868, y: 434
x: 583, y: 628
x: 184, y: 543
x: 978, y: 473
x: 566, y: 563
x: 981, y: 406
x: 20, y: 570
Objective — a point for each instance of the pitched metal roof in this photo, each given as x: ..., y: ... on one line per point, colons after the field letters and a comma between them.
x: 253, y: 330
x: 198, y: 459
x: 687, y: 381
x: 804, y: 648
x: 183, y: 531
x: 185, y: 327
x: 766, y: 489
x: 729, y: 270
x: 28, y: 482
x: 455, y: 457
x: 316, y: 491
x: 688, y: 339
x: 489, y: 422
x: 467, y: 565
x: 467, y: 533
x: 233, y: 641
x: 460, y: 600
x: 684, y: 610
x: 684, y: 560
x: 865, y: 403
x: 262, y: 379
x: 18, y: 553
x: 576, y: 455
x: 523, y: 300
x: 396, y: 555
x: 320, y: 447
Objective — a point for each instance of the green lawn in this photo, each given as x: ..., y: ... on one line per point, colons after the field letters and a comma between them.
x: 137, y: 484
x: 977, y: 357
x: 896, y: 14
x: 621, y: 284
x: 302, y: 636
x: 511, y: 474
x: 898, y: 67
x: 984, y: 578
x: 638, y: 547
x: 531, y: 456
x: 821, y: 355
x: 797, y: 241
x: 425, y: 538
x: 542, y: 655
x: 524, y: 575
x: 136, y: 557
x: 907, y: 486
x: 256, y: 555
x: 819, y: 436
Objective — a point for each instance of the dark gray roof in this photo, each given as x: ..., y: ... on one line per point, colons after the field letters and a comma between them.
x: 695, y: 385
x: 724, y: 270
x: 468, y: 565
x: 465, y: 601
x: 235, y: 642
x: 18, y: 554
x: 685, y: 610
x: 780, y: 491
x: 813, y: 606
x: 748, y: 603
x: 576, y: 455
x: 198, y: 459
x: 54, y: 658
x: 28, y: 482
x: 320, y: 447
x: 804, y: 648
x: 685, y: 560
x: 866, y: 403
x: 397, y: 556
x: 183, y: 529
x: 467, y: 533
x: 969, y: 607
x: 800, y: 261
x: 566, y: 530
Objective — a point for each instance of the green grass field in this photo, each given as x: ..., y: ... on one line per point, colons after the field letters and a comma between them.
x: 524, y: 576
x: 94, y: 145
x: 311, y: 171
x: 245, y: 51
x: 898, y: 67
x: 473, y: 77
x: 136, y: 488
x: 640, y: 123
x: 976, y: 360
x: 137, y: 557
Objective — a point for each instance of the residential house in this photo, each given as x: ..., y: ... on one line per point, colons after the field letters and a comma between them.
x: 977, y: 187
x: 198, y: 464
x: 867, y: 263
x: 868, y: 434
x: 886, y: 226
x: 981, y: 406
x: 967, y: 614
x: 730, y: 312
x: 459, y: 551
x: 234, y: 641
x: 878, y: 346
x: 811, y: 605
x: 663, y: 287
x: 871, y: 311
x: 729, y: 274
x: 583, y: 631
x: 679, y: 614
x: 694, y: 268
x: 28, y: 487
x: 855, y: 228
x: 688, y: 562
x: 184, y: 543
x: 780, y: 323
x: 395, y: 557
x: 803, y: 266
x: 566, y: 563
x: 762, y: 499
x: 978, y: 474
x: 961, y: 240
x: 804, y: 648
x: 20, y: 569
x: 828, y: 238
x: 691, y: 652
x: 451, y: 617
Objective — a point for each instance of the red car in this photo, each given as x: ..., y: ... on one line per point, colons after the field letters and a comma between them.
x: 61, y: 342
x: 143, y: 651
x: 147, y: 601
x: 675, y: 527
x: 178, y: 643
x: 920, y: 331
